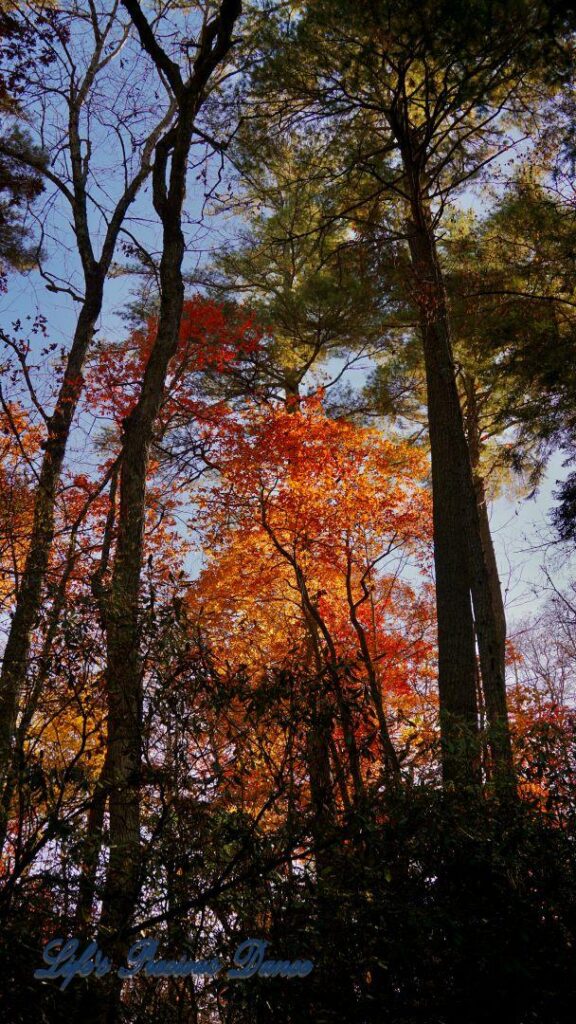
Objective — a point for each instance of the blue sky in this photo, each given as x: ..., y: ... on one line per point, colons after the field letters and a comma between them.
x: 520, y: 526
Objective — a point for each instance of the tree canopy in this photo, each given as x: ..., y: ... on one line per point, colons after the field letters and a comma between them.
x: 287, y: 335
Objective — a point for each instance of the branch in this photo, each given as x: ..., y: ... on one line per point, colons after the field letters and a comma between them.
x: 38, y: 166
x: 152, y: 47
x: 520, y: 294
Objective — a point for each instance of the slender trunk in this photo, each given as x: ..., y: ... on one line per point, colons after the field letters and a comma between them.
x: 17, y: 650
x: 492, y: 637
x: 91, y: 849
x: 318, y: 763
x: 17, y: 759
x: 329, y: 664
x: 492, y: 648
x: 318, y: 629
x: 319, y: 729
x: 389, y: 756
x: 92, y: 843
x: 319, y: 745
x: 124, y: 668
x: 29, y: 599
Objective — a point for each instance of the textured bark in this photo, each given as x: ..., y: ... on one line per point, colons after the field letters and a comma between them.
x: 26, y: 613
x: 462, y: 561
x: 124, y: 669
x: 492, y: 635
x: 91, y: 849
x: 29, y: 598
x: 456, y: 642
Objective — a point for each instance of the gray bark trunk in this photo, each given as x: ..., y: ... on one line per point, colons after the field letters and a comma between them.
x: 490, y: 614
x: 456, y: 640
x: 124, y: 668
x: 14, y: 664
x: 36, y: 565
x: 462, y: 559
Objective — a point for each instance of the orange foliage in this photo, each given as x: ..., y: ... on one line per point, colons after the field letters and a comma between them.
x: 304, y: 496
x: 19, y: 443
x: 212, y: 338
x: 311, y: 512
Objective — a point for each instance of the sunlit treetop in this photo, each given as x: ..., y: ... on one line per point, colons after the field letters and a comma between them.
x: 307, y: 505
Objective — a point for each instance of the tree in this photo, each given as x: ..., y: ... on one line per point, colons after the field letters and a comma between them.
x: 313, y: 517
x: 123, y: 668
x: 26, y: 36
x: 419, y: 90
x: 70, y: 178
x: 300, y: 269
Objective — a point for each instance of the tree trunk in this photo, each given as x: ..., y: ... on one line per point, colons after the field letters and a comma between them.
x: 450, y: 460
x: 28, y: 604
x: 322, y: 797
x: 91, y: 849
x: 389, y: 756
x: 29, y: 598
x: 124, y: 668
x: 462, y: 570
x: 492, y: 639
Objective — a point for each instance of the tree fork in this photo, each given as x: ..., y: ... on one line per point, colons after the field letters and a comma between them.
x: 124, y: 668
